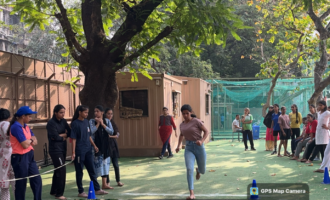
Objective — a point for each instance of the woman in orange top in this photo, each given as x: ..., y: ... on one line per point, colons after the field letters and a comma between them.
x: 22, y: 141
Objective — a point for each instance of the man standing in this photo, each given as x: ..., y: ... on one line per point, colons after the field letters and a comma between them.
x: 166, y: 123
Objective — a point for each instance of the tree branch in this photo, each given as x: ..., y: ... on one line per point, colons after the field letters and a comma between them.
x: 127, y: 8
x: 68, y: 32
x: 135, y: 19
x: 318, y: 21
x: 166, y: 32
x: 86, y: 14
x: 97, y: 24
x: 325, y: 15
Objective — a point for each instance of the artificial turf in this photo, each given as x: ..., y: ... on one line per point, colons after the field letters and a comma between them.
x: 229, y: 171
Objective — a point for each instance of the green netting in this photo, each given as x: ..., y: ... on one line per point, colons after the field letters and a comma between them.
x: 231, y: 97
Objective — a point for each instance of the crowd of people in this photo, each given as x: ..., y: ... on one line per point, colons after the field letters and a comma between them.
x: 94, y: 146
x: 311, y: 141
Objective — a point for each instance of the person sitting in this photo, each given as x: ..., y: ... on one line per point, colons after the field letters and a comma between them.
x: 235, y: 125
x: 312, y: 130
x: 303, y: 139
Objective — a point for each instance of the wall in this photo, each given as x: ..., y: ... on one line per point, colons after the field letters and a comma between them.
x: 140, y: 137
x: 38, y: 84
x: 194, y: 92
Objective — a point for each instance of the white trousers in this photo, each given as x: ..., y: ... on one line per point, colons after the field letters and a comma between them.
x: 326, y: 159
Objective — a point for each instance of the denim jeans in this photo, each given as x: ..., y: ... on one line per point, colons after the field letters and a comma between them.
x: 194, y: 152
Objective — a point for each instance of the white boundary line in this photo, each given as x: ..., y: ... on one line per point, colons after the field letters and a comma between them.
x: 181, y: 195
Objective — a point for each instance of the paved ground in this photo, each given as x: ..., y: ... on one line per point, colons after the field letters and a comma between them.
x: 150, y: 178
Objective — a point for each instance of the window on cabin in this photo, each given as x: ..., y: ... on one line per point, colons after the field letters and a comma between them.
x: 137, y: 99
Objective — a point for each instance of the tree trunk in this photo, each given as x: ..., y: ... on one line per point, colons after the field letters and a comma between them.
x: 319, y: 70
x: 100, y: 88
x: 269, y: 94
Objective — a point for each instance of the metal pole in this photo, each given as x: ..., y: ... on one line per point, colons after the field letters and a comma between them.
x: 224, y: 114
x: 212, y: 124
x: 218, y: 108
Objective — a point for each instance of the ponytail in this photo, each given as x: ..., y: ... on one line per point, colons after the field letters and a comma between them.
x: 78, y: 109
x: 296, y: 113
x: 12, y: 121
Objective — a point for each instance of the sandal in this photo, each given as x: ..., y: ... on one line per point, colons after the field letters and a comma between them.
x: 319, y: 171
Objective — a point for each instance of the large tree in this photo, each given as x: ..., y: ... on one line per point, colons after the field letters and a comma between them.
x: 286, y: 25
x: 186, y: 64
x: 100, y: 53
x: 319, y: 11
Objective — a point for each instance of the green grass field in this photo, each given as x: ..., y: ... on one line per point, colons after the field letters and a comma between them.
x: 150, y: 178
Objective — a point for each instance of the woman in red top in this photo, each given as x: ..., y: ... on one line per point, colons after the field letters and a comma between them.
x: 312, y: 123
x: 166, y: 123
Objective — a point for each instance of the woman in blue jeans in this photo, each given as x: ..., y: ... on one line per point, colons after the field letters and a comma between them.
x: 192, y: 129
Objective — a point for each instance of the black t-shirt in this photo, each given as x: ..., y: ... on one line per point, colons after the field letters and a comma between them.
x: 81, y: 132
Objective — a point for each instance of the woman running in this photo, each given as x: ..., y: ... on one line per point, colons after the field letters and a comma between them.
x: 322, y: 133
x: 191, y: 129
x: 296, y: 121
x: 101, y: 131
x: 58, y: 131
x: 114, y: 152
x: 247, y: 127
x: 165, y: 125
x: 22, y: 141
x: 6, y: 171
x: 82, y: 150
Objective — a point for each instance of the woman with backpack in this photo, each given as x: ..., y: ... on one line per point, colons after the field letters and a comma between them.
x: 269, y: 132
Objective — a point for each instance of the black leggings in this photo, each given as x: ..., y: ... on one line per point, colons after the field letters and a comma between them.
x: 318, y: 149
x: 247, y: 133
x: 295, y: 134
x: 116, y: 168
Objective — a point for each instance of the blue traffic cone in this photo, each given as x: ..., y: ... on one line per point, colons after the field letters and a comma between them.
x: 91, y: 191
x: 326, y: 179
x: 254, y: 190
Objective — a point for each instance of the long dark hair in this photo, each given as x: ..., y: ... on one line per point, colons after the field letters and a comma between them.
x: 4, y: 114
x: 12, y: 121
x: 296, y: 112
x: 80, y: 108
x: 114, y: 125
x: 188, y: 108
x: 57, y: 109
x: 323, y: 103
x: 107, y: 110
x: 100, y: 108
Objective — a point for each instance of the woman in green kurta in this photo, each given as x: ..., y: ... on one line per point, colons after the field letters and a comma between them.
x: 247, y: 127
